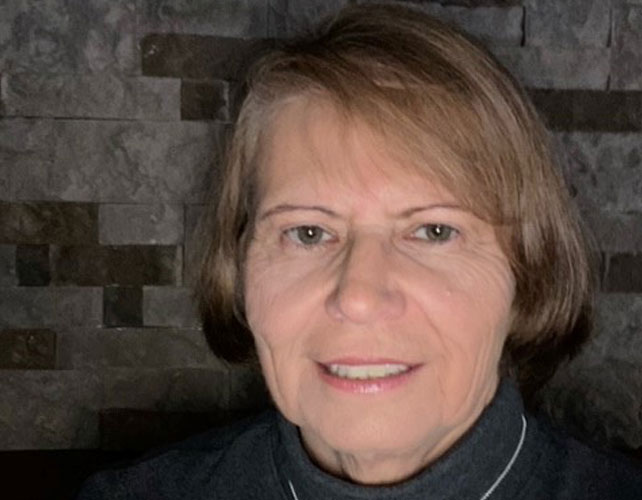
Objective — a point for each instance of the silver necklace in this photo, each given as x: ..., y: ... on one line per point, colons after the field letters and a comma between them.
x: 493, y: 486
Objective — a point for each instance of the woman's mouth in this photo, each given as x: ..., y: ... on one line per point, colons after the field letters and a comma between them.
x: 367, y: 372
x: 367, y: 377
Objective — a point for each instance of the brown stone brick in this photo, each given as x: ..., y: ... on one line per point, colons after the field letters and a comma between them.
x: 48, y: 222
x: 122, y: 306
x: 624, y: 273
x: 115, y: 265
x: 193, y: 56
x: 204, y: 100
x: 589, y: 110
x: 27, y: 349
x: 32, y: 265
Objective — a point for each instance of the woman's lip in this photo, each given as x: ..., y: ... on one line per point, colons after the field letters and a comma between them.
x: 355, y: 361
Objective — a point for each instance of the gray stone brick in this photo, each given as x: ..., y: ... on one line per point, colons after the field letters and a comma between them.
x: 556, y: 67
x: 571, y: 23
x: 58, y: 36
x: 626, y: 63
x: 205, y: 100
x: 140, y: 224
x: 166, y: 390
x: 242, y: 18
x: 113, y: 161
x: 193, y: 242
x: 600, y: 392
x: 614, y: 231
x: 169, y: 306
x: 36, y: 307
x: 605, y: 169
x: 102, y: 95
x: 134, y: 348
x: 8, y: 275
x: 624, y: 273
x: 49, y: 409
x: 493, y: 25
x: 288, y: 18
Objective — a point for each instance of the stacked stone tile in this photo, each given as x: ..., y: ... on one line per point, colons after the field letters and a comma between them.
x: 112, y: 115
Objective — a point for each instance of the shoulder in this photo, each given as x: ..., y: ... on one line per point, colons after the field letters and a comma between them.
x: 195, y: 468
x: 571, y: 469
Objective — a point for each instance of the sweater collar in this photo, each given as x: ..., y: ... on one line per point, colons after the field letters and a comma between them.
x: 468, y: 470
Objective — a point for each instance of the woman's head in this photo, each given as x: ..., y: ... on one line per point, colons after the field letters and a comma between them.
x: 438, y: 108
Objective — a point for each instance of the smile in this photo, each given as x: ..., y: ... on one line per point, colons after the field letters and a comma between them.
x: 367, y: 372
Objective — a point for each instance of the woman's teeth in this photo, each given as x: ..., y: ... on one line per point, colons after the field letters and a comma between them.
x: 365, y: 372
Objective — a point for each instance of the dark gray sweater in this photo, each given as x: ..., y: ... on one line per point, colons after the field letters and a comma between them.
x: 503, y: 457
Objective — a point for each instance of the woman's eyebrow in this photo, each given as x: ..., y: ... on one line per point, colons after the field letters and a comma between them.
x: 409, y: 212
x: 289, y: 208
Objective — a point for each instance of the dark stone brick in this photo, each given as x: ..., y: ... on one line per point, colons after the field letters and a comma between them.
x: 471, y: 3
x: 48, y: 222
x: 125, y: 429
x: 193, y: 56
x: 624, y: 273
x: 590, y: 110
x: 123, y: 306
x: 27, y: 349
x: 204, y: 100
x: 114, y: 265
x: 32, y: 265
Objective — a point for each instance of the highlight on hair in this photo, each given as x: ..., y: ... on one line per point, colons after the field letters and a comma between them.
x: 443, y: 103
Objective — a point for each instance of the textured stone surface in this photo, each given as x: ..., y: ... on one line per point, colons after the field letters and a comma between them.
x: 32, y: 265
x: 115, y: 265
x: 205, y: 100
x: 49, y: 409
x: 8, y: 276
x: 59, y: 36
x: 167, y: 390
x: 613, y: 231
x: 289, y: 18
x: 605, y: 169
x: 134, y: 348
x: 626, y: 62
x: 556, y: 67
x: 570, y: 23
x: 493, y: 25
x: 624, y: 274
x: 27, y: 349
x: 600, y: 393
x: 247, y: 389
x: 194, y: 237
x: 590, y: 110
x: 242, y: 18
x: 37, y: 307
x: 124, y: 429
x: 45, y: 222
x: 169, y: 306
x: 191, y: 56
x: 120, y: 161
x: 140, y: 224
x: 102, y: 95
x: 123, y: 306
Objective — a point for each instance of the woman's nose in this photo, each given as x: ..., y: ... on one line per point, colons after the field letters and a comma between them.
x: 365, y: 290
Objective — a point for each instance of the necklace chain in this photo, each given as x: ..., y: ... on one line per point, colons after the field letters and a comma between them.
x: 493, y: 486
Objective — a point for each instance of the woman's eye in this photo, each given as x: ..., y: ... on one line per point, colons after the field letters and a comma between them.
x: 308, y: 235
x: 437, y: 233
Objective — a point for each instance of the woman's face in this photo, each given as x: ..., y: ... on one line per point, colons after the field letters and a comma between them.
x: 379, y: 305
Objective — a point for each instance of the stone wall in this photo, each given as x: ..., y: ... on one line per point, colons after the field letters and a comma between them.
x: 112, y: 114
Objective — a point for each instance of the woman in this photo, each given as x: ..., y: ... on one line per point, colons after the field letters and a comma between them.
x: 394, y: 243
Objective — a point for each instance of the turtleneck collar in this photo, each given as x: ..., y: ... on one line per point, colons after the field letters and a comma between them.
x: 468, y: 470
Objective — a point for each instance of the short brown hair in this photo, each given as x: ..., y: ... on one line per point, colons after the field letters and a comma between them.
x: 442, y: 101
